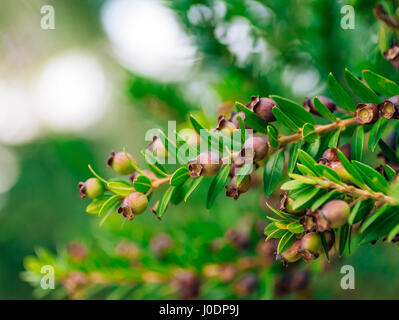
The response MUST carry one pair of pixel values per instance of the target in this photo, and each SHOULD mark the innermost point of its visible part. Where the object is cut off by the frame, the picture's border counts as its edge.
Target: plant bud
(133, 204)
(310, 246)
(225, 126)
(246, 285)
(77, 251)
(160, 245)
(234, 191)
(291, 254)
(256, 148)
(392, 55)
(334, 214)
(128, 250)
(120, 163)
(157, 148)
(387, 109)
(92, 188)
(263, 108)
(309, 105)
(340, 170)
(366, 113)
(187, 284)
(207, 164)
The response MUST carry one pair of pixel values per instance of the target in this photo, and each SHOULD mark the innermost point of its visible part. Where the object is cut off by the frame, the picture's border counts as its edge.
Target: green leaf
(298, 177)
(286, 242)
(109, 203)
(360, 89)
(393, 233)
(142, 183)
(360, 210)
(180, 176)
(272, 134)
(281, 214)
(323, 110)
(324, 245)
(95, 206)
(382, 222)
(97, 175)
(271, 227)
(252, 119)
(295, 227)
(376, 132)
(308, 133)
(217, 185)
(121, 188)
(391, 173)
(308, 161)
(215, 140)
(154, 164)
(306, 199)
(372, 177)
(276, 234)
(164, 201)
(292, 185)
(328, 173)
(285, 120)
(323, 199)
(294, 111)
(384, 38)
(135, 167)
(191, 187)
(293, 155)
(356, 178)
(339, 94)
(388, 152)
(334, 140)
(381, 84)
(273, 171)
(357, 144)
(343, 238)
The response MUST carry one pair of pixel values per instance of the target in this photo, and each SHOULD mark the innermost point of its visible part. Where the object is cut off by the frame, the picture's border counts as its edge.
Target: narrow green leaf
(153, 163)
(376, 132)
(273, 171)
(164, 201)
(324, 245)
(305, 200)
(108, 204)
(323, 110)
(281, 214)
(334, 140)
(285, 120)
(190, 188)
(372, 177)
(295, 227)
(276, 234)
(293, 155)
(381, 84)
(271, 227)
(292, 185)
(286, 242)
(179, 176)
(97, 175)
(272, 134)
(244, 171)
(303, 179)
(307, 161)
(343, 238)
(393, 233)
(360, 89)
(294, 111)
(308, 133)
(217, 185)
(121, 188)
(323, 199)
(357, 144)
(252, 119)
(391, 173)
(328, 173)
(388, 152)
(339, 94)
(360, 210)
(356, 178)
(95, 206)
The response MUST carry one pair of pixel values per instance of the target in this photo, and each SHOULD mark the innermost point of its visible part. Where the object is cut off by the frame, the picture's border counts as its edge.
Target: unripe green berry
(207, 164)
(121, 164)
(234, 191)
(92, 188)
(310, 246)
(291, 254)
(133, 204)
(334, 214)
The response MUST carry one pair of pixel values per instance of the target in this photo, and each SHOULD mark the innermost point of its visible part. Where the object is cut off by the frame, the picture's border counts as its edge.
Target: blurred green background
(111, 70)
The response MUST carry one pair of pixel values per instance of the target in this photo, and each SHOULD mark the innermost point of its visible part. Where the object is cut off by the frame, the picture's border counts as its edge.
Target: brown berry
(207, 164)
(333, 214)
(309, 105)
(366, 113)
